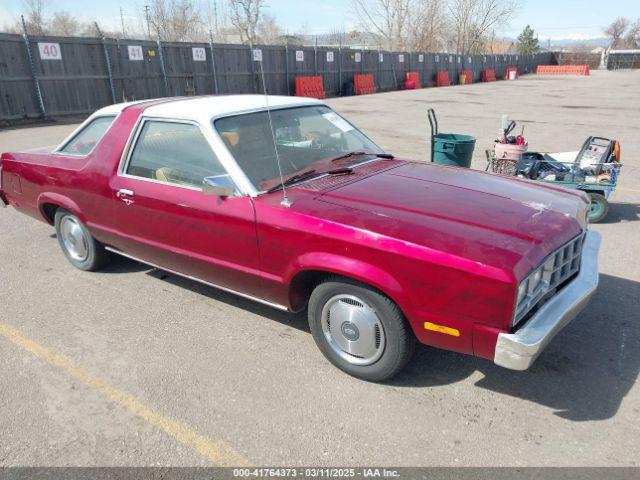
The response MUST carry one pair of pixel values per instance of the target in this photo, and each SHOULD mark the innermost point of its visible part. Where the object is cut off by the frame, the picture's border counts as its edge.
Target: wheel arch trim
(61, 201)
(333, 264)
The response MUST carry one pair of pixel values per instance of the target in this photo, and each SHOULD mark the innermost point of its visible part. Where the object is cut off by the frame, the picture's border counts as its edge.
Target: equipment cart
(594, 169)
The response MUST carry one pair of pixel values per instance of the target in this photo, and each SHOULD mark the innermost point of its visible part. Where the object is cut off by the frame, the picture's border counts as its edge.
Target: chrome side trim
(199, 280)
(519, 350)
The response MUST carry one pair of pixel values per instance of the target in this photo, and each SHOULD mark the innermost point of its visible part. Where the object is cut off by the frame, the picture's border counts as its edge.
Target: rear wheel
(80, 248)
(359, 330)
(599, 207)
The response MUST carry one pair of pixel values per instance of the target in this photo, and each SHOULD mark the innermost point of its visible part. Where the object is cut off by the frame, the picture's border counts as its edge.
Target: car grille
(557, 268)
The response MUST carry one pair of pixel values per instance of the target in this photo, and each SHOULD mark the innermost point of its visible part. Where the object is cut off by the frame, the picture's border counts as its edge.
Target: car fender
(62, 201)
(347, 267)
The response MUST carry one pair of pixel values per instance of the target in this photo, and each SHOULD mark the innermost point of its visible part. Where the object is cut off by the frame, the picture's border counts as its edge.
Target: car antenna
(257, 56)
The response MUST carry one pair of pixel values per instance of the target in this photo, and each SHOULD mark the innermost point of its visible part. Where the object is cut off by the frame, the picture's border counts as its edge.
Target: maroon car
(285, 202)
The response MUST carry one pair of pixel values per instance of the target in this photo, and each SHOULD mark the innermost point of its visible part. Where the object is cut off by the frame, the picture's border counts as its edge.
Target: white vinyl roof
(203, 109)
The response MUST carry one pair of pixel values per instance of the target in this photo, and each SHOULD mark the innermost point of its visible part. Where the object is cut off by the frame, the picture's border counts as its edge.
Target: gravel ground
(131, 366)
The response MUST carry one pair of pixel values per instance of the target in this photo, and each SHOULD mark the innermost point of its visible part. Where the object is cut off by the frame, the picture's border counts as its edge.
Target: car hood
(499, 221)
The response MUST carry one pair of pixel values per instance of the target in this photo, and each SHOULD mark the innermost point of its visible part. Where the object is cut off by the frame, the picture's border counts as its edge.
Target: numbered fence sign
(299, 56)
(381, 57)
(450, 59)
(257, 55)
(401, 58)
(199, 54)
(358, 57)
(49, 51)
(459, 59)
(421, 58)
(469, 60)
(135, 53)
(329, 56)
(437, 58)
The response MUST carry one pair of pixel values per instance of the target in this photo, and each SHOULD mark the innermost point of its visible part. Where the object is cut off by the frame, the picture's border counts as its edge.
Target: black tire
(399, 341)
(599, 207)
(96, 256)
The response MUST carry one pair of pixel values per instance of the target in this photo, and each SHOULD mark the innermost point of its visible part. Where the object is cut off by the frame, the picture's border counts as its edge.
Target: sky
(554, 19)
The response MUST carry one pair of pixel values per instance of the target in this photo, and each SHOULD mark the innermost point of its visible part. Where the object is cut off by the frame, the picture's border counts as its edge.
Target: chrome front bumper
(518, 350)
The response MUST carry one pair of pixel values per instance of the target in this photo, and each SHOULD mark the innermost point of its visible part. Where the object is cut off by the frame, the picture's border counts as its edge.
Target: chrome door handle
(123, 195)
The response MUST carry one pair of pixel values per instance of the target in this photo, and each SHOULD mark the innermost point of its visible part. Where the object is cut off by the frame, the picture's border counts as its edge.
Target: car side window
(85, 140)
(174, 153)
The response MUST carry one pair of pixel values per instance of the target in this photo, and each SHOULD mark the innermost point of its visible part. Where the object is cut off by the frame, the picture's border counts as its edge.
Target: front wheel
(599, 207)
(79, 246)
(359, 330)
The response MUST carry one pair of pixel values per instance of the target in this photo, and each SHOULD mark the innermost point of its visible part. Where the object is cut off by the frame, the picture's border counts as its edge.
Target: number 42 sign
(49, 51)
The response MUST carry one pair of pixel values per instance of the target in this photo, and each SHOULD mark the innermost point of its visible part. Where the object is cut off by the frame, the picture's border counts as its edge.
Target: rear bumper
(519, 350)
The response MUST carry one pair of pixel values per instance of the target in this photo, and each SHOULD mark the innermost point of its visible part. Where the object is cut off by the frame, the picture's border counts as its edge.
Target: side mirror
(220, 186)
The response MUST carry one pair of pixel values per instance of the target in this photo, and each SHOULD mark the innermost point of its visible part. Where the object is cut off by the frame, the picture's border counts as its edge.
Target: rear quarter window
(86, 139)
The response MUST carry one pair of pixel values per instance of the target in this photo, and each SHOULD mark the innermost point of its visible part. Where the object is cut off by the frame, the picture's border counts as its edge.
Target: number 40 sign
(49, 51)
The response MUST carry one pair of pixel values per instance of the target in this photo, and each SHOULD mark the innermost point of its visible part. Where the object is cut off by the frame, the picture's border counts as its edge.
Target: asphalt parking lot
(132, 366)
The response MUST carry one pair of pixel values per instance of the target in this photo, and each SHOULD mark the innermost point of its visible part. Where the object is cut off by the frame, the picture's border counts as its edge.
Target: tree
(527, 41)
(34, 16)
(388, 19)
(245, 16)
(64, 24)
(175, 20)
(473, 20)
(268, 30)
(427, 25)
(632, 36)
(616, 30)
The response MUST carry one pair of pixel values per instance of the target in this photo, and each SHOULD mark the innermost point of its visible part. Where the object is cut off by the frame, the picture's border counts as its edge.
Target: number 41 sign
(49, 51)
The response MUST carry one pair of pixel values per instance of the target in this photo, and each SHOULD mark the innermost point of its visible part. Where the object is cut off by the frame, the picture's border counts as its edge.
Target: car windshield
(306, 138)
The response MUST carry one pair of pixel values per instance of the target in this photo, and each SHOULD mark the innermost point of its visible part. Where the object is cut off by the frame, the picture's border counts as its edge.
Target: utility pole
(146, 14)
(124, 34)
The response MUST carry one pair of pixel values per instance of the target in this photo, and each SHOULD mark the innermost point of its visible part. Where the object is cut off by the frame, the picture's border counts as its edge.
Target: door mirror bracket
(220, 186)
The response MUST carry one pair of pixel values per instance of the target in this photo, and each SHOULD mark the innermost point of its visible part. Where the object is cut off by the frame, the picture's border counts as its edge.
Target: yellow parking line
(217, 451)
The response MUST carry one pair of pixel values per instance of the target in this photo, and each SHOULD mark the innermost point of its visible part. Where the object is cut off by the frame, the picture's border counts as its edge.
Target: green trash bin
(450, 148)
(453, 149)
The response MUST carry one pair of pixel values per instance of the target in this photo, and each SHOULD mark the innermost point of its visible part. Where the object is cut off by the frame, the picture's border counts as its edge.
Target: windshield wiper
(308, 174)
(291, 180)
(359, 153)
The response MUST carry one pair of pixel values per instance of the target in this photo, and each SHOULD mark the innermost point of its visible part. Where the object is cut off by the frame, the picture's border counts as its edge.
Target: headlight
(534, 280)
(522, 291)
(529, 289)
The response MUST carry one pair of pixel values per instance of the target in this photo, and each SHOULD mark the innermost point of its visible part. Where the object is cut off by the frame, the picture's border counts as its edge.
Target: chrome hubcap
(73, 239)
(353, 330)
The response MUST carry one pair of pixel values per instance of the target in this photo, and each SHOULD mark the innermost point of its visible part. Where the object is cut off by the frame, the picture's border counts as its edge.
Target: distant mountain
(570, 41)
(577, 40)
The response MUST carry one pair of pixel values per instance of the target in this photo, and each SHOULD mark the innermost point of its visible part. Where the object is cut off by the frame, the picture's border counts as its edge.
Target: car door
(164, 218)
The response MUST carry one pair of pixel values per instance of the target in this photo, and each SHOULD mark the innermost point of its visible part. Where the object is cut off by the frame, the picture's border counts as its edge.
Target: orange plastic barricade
(488, 75)
(310, 87)
(413, 79)
(442, 79)
(509, 70)
(563, 70)
(363, 83)
(468, 76)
